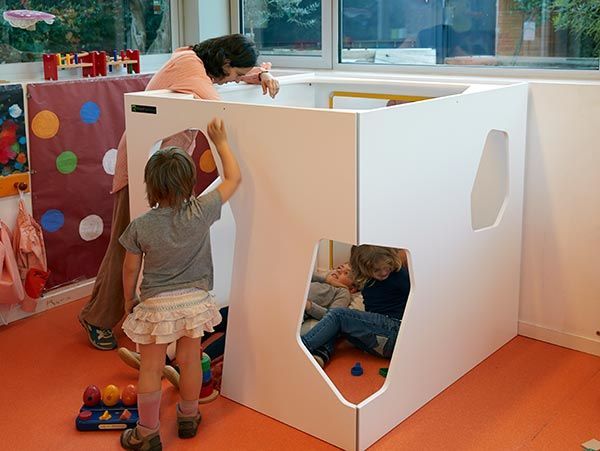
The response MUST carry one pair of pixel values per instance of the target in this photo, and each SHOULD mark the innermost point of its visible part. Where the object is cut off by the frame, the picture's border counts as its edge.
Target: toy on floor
(92, 64)
(207, 392)
(591, 445)
(108, 409)
(357, 370)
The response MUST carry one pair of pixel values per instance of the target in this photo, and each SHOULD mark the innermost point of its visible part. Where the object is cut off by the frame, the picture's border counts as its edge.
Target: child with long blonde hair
(381, 276)
(173, 242)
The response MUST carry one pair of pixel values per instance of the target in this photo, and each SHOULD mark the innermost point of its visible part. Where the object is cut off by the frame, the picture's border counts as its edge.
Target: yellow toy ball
(110, 395)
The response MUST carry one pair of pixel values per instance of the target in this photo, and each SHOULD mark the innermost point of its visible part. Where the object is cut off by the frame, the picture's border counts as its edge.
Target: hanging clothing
(11, 287)
(30, 253)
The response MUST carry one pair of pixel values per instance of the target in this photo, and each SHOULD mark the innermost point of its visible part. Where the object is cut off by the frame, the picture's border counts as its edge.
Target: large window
(536, 34)
(289, 33)
(284, 27)
(85, 25)
(562, 34)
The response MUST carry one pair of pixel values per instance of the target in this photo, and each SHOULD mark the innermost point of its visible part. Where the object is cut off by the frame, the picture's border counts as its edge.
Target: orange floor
(527, 396)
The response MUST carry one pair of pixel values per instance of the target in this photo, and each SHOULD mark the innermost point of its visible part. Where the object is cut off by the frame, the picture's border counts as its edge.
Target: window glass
(84, 25)
(283, 27)
(563, 34)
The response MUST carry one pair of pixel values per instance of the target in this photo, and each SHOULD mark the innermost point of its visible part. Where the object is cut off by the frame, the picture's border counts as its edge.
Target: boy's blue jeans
(371, 332)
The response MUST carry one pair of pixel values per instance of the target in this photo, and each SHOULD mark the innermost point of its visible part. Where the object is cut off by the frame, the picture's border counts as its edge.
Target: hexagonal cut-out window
(490, 190)
(352, 333)
(206, 169)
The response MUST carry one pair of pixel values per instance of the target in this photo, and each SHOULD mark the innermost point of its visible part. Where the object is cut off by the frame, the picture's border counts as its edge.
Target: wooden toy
(110, 413)
(92, 64)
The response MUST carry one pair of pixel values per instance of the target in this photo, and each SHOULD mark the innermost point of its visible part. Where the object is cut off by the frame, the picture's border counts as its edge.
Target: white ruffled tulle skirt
(170, 316)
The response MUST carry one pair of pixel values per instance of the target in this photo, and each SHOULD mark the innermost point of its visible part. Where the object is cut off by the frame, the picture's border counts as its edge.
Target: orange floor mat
(529, 395)
(355, 388)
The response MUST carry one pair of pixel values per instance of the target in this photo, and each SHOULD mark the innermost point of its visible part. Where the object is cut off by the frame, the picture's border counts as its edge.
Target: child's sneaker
(319, 360)
(132, 439)
(187, 426)
(321, 356)
(102, 339)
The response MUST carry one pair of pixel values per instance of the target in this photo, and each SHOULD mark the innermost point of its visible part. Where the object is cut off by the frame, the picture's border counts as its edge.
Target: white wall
(560, 278)
(204, 19)
(9, 206)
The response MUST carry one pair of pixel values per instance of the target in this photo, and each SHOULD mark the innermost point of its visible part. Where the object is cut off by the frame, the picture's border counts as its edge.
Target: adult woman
(193, 70)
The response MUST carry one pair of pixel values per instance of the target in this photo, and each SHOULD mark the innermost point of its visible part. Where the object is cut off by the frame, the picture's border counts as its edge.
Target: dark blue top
(388, 296)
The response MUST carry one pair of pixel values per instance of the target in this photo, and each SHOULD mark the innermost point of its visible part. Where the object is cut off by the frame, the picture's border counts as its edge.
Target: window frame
(34, 72)
(333, 26)
(295, 61)
(449, 70)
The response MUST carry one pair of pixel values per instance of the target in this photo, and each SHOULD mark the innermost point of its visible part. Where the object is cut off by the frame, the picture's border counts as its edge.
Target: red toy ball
(129, 395)
(91, 395)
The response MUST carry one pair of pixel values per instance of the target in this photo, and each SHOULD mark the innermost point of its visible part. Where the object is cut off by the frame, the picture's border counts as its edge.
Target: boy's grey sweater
(324, 296)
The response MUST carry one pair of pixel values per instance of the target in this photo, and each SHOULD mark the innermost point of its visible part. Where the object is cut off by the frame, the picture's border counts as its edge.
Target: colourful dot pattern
(73, 125)
(53, 220)
(75, 129)
(66, 162)
(45, 124)
(89, 112)
(207, 162)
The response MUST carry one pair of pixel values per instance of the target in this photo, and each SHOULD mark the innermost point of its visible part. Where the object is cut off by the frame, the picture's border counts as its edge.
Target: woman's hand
(269, 84)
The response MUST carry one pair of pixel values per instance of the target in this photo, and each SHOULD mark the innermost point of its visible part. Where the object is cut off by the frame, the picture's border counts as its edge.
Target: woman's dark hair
(235, 49)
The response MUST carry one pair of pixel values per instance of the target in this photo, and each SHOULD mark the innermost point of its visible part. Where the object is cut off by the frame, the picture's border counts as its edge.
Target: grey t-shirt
(175, 245)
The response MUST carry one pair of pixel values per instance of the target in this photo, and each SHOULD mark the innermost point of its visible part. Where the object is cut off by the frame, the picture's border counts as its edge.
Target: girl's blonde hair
(365, 257)
(170, 177)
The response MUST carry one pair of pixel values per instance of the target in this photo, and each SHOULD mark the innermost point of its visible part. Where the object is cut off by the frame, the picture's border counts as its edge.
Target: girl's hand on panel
(216, 132)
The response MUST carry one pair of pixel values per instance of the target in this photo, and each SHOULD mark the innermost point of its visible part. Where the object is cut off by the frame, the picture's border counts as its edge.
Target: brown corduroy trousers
(106, 306)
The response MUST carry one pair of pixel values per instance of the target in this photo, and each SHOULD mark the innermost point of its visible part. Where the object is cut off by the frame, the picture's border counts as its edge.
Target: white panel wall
(560, 293)
(559, 289)
(324, 87)
(417, 166)
(280, 216)
(292, 95)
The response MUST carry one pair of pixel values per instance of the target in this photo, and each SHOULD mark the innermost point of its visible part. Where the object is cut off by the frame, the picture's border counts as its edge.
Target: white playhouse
(441, 177)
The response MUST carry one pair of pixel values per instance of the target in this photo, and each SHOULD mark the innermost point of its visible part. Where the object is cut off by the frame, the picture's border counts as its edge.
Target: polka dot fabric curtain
(74, 130)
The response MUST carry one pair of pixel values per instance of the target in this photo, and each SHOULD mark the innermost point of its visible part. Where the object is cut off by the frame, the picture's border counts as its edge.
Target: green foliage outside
(258, 13)
(83, 26)
(580, 18)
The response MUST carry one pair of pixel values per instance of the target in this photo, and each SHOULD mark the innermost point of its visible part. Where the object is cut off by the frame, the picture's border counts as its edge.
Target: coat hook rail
(21, 186)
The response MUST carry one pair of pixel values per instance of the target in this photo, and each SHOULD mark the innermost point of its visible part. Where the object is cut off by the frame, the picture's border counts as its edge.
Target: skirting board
(53, 298)
(556, 337)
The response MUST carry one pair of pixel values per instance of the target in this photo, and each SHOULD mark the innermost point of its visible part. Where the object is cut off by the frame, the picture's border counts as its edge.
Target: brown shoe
(187, 426)
(133, 440)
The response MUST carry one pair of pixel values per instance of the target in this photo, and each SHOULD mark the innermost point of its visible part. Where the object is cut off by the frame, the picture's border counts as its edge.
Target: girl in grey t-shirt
(172, 240)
